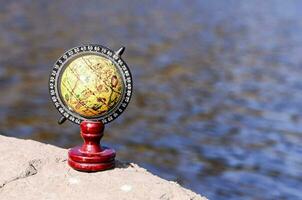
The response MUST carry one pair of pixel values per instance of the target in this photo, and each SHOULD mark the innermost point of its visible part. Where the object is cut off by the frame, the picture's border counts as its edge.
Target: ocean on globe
(91, 85)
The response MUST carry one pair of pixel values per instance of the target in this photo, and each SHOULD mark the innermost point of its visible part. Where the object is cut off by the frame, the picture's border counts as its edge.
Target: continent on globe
(91, 85)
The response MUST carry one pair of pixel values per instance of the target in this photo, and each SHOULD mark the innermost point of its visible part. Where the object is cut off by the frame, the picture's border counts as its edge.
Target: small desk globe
(91, 85)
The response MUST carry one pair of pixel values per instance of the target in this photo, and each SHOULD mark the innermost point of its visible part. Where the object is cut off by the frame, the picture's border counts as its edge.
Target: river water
(217, 87)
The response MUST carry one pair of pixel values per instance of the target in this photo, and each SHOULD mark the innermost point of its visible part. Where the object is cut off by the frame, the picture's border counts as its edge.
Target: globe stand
(91, 157)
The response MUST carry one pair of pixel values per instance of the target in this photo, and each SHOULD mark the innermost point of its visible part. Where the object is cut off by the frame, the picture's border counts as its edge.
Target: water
(217, 101)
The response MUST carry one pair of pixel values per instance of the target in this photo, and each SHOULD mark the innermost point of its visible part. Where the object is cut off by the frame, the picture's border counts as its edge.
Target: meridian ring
(83, 98)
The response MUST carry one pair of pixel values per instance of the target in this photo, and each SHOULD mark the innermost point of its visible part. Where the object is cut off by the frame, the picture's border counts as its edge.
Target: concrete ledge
(31, 170)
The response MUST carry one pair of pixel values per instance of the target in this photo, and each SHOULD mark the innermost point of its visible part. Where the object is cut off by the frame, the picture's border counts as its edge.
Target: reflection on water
(217, 102)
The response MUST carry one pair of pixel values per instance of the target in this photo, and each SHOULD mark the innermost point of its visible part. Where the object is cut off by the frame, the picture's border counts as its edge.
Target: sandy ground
(31, 170)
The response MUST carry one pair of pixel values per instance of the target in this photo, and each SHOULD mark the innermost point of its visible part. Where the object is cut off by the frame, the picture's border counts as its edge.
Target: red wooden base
(91, 157)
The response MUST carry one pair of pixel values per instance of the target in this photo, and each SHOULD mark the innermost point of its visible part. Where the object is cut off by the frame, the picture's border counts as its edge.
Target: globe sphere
(91, 86)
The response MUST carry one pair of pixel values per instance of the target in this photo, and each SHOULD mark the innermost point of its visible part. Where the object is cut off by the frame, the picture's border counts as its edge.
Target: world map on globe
(91, 85)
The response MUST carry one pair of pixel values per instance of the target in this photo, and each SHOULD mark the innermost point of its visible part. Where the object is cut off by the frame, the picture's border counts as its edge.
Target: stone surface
(31, 170)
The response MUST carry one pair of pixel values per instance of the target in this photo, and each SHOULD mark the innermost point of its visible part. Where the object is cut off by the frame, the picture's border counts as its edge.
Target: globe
(91, 85)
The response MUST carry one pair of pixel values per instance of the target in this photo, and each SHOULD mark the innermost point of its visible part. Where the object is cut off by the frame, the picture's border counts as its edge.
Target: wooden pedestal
(91, 157)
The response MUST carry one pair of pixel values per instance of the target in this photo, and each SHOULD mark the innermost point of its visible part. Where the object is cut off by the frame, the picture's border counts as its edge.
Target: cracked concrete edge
(30, 170)
(22, 159)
